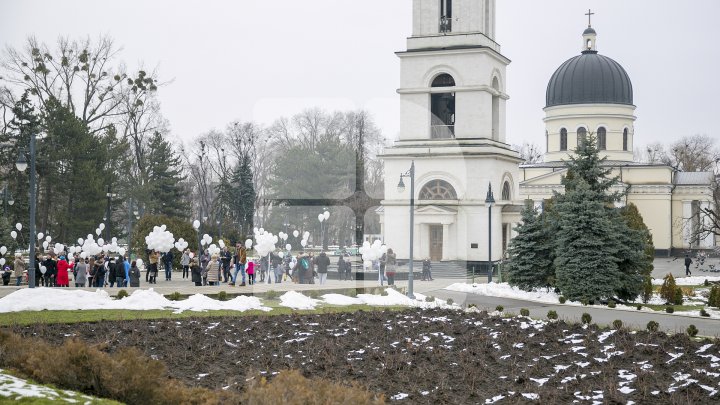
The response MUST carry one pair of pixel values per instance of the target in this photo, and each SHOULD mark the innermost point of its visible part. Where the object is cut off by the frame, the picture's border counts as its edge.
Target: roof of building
(694, 178)
(610, 163)
(589, 78)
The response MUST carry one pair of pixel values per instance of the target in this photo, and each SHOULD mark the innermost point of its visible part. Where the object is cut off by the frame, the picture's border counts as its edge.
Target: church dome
(589, 78)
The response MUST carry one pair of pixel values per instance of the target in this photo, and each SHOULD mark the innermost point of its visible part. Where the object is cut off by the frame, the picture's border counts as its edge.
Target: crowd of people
(226, 267)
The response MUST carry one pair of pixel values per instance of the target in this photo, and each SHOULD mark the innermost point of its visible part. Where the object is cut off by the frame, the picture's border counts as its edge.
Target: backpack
(304, 263)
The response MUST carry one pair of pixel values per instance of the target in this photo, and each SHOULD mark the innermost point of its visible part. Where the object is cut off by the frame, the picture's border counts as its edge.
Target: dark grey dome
(589, 79)
(589, 30)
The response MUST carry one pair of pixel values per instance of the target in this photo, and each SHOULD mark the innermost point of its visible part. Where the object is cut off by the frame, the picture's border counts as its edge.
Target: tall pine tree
(164, 188)
(531, 255)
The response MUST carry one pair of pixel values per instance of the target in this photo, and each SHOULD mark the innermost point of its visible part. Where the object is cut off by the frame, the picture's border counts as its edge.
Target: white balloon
(121, 251)
(80, 241)
(196, 224)
(306, 235)
(202, 242)
(2, 261)
(296, 234)
(261, 230)
(288, 247)
(83, 255)
(13, 234)
(18, 226)
(163, 227)
(98, 231)
(3, 250)
(48, 238)
(139, 262)
(191, 255)
(326, 214)
(43, 269)
(45, 244)
(321, 217)
(90, 237)
(303, 243)
(40, 235)
(248, 244)
(101, 241)
(101, 227)
(281, 254)
(114, 240)
(221, 243)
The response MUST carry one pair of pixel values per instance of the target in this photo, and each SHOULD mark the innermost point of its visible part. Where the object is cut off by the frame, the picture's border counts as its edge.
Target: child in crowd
(251, 272)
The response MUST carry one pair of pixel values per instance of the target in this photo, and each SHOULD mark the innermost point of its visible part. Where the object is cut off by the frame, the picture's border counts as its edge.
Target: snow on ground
(295, 300)
(504, 290)
(17, 388)
(692, 280)
(339, 299)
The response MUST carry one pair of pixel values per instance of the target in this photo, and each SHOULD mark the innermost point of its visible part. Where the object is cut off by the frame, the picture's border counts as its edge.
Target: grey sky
(260, 59)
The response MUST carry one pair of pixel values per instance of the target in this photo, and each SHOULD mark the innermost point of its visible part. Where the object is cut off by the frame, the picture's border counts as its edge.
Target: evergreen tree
(165, 195)
(531, 262)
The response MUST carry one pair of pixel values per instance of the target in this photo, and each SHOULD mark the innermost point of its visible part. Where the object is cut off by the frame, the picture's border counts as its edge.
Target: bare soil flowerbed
(424, 356)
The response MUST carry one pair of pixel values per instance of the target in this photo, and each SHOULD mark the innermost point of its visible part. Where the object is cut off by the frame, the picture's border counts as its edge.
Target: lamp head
(21, 164)
(401, 186)
(490, 199)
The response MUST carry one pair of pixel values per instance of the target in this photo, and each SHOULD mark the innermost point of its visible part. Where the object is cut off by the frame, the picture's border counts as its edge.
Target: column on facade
(707, 241)
(446, 242)
(686, 223)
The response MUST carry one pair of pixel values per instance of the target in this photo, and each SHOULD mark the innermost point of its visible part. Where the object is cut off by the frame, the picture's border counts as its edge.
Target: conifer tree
(164, 187)
(585, 251)
(531, 262)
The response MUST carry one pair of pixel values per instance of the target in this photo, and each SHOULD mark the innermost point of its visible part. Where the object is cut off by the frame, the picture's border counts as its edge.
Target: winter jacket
(196, 273)
(185, 259)
(322, 262)
(19, 267)
(390, 263)
(212, 271)
(62, 277)
(50, 267)
(81, 276)
(251, 267)
(134, 277)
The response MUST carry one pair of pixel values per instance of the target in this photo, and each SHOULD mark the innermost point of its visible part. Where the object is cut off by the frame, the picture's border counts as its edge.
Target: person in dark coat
(196, 272)
(134, 275)
(322, 262)
(426, 270)
(688, 262)
(168, 261)
(341, 268)
(50, 271)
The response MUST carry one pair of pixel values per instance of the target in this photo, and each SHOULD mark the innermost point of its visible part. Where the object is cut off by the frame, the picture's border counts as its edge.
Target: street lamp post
(21, 165)
(490, 201)
(401, 188)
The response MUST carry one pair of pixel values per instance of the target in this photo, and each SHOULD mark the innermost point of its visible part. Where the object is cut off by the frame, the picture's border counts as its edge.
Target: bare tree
(529, 152)
(697, 153)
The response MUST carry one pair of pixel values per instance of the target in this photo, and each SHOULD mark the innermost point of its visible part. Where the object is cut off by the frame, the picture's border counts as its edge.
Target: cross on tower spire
(590, 14)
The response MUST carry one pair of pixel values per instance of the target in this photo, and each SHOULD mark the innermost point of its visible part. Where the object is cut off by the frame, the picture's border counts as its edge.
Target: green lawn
(45, 394)
(50, 317)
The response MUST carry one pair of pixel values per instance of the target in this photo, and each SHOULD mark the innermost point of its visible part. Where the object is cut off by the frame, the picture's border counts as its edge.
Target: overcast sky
(261, 59)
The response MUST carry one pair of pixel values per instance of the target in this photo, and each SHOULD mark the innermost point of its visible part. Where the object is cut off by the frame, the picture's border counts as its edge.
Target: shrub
(706, 283)
(122, 294)
(639, 307)
(562, 299)
(653, 326)
(429, 299)
(499, 308)
(524, 312)
(176, 296)
(669, 309)
(714, 298)
(450, 301)
(647, 291)
(678, 297)
(692, 331)
(552, 315)
(611, 304)
(222, 296)
(703, 312)
(313, 294)
(668, 288)
(384, 293)
(351, 292)
(586, 318)
(292, 385)
(472, 306)
(617, 324)
(272, 295)
(122, 375)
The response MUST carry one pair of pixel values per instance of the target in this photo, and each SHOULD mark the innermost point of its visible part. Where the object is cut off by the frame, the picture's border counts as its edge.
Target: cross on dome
(589, 14)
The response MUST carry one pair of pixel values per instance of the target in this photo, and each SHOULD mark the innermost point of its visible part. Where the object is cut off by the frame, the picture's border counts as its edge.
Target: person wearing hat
(6, 275)
(62, 279)
(19, 268)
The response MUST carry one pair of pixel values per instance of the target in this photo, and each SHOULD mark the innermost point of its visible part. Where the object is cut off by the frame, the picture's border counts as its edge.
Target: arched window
(443, 80)
(602, 138)
(581, 135)
(442, 109)
(563, 139)
(625, 139)
(438, 190)
(506, 191)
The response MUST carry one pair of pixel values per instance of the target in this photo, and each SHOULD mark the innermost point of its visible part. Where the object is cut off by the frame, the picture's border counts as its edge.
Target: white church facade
(452, 127)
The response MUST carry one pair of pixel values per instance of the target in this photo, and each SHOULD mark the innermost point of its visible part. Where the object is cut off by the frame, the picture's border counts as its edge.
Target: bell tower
(452, 73)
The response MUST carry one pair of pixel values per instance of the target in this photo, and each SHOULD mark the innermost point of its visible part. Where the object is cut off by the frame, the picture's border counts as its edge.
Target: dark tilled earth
(425, 357)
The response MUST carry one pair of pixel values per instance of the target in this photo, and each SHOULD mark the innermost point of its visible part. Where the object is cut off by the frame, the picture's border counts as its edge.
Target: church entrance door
(436, 242)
